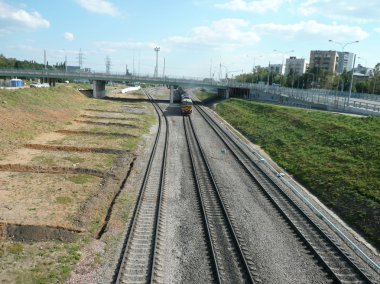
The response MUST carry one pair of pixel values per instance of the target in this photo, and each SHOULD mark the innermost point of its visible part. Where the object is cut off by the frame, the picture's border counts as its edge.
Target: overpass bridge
(100, 79)
(330, 100)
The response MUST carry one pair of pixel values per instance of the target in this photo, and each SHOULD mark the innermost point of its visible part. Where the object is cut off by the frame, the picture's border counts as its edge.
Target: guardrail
(120, 77)
(331, 99)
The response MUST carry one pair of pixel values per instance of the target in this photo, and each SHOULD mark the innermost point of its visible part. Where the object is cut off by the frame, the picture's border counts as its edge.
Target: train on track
(186, 105)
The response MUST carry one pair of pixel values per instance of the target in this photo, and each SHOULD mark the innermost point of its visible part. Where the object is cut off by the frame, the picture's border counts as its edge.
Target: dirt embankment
(58, 177)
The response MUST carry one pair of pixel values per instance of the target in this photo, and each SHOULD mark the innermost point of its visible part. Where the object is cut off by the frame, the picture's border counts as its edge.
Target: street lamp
(343, 45)
(254, 64)
(283, 56)
(341, 58)
(312, 82)
(341, 62)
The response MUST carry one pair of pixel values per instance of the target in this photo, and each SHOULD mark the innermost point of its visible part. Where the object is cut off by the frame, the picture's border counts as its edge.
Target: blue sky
(194, 36)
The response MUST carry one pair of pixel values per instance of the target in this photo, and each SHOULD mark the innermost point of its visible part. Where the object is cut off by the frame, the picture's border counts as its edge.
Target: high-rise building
(324, 60)
(298, 65)
(346, 61)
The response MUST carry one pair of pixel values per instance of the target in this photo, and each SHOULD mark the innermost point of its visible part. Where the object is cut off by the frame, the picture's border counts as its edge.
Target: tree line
(313, 78)
(28, 64)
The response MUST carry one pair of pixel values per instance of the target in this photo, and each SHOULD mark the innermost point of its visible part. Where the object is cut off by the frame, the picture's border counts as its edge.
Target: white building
(346, 61)
(277, 68)
(364, 70)
(298, 65)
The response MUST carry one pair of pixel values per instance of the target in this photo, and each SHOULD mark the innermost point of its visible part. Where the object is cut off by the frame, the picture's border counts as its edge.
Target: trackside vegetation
(337, 157)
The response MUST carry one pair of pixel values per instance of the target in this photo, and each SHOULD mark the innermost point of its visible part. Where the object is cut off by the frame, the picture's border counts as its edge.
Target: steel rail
(335, 275)
(323, 217)
(203, 209)
(242, 262)
(162, 184)
(132, 227)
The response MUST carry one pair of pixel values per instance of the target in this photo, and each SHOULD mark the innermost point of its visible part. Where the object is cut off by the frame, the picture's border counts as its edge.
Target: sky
(197, 38)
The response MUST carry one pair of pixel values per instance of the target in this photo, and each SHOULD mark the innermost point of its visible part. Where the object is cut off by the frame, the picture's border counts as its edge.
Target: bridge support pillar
(52, 82)
(99, 89)
(227, 94)
(171, 94)
(224, 93)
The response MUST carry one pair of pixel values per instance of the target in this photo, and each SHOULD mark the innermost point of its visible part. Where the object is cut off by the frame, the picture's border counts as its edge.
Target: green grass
(202, 95)
(336, 157)
(53, 268)
(34, 99)
(16, 248)
(36, 111)
(74, 159)
(64, 200)
(44, 160)
(80, 179)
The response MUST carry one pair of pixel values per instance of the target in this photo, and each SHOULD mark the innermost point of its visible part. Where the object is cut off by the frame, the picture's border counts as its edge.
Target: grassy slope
(337, 157)
(25, 113)
(202, 95)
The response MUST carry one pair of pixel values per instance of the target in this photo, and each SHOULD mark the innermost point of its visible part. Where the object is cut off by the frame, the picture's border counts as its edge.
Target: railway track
(336, 260)
(139, 262)
(228, 260)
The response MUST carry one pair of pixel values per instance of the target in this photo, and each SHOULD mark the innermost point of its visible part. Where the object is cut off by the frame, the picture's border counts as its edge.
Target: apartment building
(298, 65)
(277, 68)
(324, 60)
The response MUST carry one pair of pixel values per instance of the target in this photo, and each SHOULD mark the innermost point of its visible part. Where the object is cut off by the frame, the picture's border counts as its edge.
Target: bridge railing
(33, 73)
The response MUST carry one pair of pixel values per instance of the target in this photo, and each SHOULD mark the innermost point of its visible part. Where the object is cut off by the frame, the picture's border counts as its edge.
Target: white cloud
(348, 10)
(99, 6)
(258, 6)
(222, 34)
(311, 30)
(13, 19)
(68, 36)
(377, 30)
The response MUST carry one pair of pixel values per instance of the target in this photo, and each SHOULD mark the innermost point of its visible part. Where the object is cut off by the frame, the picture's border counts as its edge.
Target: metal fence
(337, 100)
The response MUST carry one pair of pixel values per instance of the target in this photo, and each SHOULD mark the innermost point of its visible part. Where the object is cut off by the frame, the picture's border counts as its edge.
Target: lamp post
(312, 82)
(283, 57)
(352, 79)
(341, 58)
(254, 64)
(156, 50)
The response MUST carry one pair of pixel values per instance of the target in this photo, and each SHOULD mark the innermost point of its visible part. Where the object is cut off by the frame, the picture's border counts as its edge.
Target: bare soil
(59, 187)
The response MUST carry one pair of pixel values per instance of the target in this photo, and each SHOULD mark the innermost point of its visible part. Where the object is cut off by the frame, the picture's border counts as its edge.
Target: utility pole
(80, 58)
(133, 64)
(352, 79)
(210, 69)
(45, 59)
(282, 64)
(156, 49)
(138, 67)
(163, 70)
(108, 65)
(268, 76)
(341, 57)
